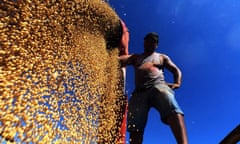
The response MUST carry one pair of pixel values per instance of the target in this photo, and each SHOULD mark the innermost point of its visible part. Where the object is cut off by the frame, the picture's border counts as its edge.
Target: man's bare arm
(126, 59)
(177, 74)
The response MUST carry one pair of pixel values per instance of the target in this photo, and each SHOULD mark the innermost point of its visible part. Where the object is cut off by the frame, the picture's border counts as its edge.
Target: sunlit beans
(59, 83)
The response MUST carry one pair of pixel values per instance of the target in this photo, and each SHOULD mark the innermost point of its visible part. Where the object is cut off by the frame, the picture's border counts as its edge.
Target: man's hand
(173, 85)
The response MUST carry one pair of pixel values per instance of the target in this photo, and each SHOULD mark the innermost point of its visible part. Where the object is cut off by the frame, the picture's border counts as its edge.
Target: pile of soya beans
(59, 72)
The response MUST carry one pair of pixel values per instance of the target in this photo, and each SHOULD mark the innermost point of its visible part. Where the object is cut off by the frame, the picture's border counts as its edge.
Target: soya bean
(58, 81)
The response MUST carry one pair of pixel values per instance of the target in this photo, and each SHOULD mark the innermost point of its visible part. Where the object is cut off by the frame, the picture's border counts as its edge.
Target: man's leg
(176, 122)
(138, 109)
(136, 137)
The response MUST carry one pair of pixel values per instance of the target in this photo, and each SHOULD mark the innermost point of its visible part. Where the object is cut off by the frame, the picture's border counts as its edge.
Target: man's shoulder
(160, 54)
(163, 57)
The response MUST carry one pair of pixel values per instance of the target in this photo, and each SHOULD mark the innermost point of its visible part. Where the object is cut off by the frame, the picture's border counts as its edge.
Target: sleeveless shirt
(146, 79)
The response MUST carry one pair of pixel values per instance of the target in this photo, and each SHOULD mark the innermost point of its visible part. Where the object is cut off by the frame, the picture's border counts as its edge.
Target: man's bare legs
(176, 122)
(177, 125)
(136, 137)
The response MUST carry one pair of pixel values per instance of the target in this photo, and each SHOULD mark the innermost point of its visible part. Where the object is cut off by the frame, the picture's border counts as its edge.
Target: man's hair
(152, 35)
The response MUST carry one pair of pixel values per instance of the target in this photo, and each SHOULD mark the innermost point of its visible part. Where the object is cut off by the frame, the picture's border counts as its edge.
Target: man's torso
(148, 70)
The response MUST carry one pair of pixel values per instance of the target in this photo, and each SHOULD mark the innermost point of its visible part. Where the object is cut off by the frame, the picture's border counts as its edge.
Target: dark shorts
(161, 97)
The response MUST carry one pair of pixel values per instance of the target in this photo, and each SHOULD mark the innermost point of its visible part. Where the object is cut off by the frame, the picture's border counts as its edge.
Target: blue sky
(203, 38)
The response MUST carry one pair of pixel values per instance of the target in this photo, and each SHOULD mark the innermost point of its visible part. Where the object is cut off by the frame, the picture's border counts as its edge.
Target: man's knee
(173, 118)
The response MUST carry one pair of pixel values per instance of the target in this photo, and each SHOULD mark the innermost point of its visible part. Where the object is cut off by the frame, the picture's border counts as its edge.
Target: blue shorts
(161, 97)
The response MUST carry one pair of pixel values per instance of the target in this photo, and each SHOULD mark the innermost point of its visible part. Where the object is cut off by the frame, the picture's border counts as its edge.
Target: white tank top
(146, 80)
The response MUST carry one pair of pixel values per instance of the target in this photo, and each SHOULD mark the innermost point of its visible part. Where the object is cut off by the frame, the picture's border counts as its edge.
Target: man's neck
(148, 53)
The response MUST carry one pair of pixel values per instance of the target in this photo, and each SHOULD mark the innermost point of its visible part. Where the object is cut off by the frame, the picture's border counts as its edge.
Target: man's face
(150, 45)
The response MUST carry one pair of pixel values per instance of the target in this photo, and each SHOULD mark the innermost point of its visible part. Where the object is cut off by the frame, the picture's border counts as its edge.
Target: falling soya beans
(59, 79)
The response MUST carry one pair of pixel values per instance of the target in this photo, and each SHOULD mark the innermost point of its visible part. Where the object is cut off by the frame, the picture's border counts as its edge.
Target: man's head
(151, 42)
(152, 35)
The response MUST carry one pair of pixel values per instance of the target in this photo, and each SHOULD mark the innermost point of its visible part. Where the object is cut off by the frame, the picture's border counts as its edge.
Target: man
(152, 91)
